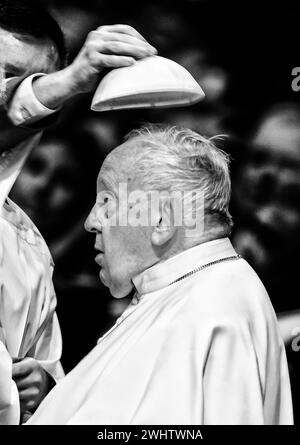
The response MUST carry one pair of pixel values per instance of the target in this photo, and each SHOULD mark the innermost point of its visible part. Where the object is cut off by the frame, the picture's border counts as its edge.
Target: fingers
(32, 382)
(25, 382)
(119, 37)
(111, 46)
(120, 44)
(111, 61)
(123, 29)
(29, 398)
(22, 368)
(124, 49)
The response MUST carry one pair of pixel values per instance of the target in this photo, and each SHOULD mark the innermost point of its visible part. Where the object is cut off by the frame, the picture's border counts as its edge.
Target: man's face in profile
(124, 249)
(20, 55)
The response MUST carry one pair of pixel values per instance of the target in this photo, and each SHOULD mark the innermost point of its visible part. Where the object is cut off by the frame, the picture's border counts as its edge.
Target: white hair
(179, 159)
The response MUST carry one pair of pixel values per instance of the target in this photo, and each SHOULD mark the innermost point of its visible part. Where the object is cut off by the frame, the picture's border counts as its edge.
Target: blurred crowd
(243, 60)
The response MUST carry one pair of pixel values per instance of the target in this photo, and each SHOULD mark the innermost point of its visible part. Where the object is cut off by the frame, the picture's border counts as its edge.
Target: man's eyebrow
(13, 69)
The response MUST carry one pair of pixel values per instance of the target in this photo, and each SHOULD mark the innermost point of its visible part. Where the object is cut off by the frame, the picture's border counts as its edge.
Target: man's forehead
(106, 178)
(24, 55)
(119, 164)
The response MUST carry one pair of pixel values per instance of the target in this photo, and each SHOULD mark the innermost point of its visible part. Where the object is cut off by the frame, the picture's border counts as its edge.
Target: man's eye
(8, 75)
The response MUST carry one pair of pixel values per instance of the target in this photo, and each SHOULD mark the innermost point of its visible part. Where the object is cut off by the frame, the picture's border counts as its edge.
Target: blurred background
(243, 57)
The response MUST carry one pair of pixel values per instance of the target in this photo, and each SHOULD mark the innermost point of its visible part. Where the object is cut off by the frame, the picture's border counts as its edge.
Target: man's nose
(92, 223)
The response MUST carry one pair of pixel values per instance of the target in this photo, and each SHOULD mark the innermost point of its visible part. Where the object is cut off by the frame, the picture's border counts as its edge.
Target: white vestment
(28, 322)
(204, 350)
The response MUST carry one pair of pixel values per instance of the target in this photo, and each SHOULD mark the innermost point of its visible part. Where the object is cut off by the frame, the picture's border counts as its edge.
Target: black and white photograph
(149, 217)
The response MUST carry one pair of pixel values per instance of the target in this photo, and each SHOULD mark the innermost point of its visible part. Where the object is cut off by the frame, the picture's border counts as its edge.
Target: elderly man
(199, 344)
(34, 84)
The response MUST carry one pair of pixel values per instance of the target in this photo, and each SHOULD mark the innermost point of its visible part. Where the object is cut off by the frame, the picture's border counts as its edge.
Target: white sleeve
(24, 107)
(48, 349)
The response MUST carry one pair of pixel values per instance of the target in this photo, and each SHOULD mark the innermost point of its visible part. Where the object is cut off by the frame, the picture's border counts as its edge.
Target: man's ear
(164, 229)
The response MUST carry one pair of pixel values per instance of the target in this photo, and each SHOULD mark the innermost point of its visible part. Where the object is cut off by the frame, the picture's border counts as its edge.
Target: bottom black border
(146, 433)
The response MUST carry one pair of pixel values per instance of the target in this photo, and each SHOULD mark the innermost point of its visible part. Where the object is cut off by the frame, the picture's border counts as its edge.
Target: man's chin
(116, 286)
(103, 278)
(118, 291)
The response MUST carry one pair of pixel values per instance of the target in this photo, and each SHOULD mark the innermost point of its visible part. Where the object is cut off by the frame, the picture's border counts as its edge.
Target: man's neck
(189, 242)
(179, 245)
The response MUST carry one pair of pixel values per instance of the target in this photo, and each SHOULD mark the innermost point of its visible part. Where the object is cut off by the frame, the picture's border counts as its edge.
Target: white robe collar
(162, 274)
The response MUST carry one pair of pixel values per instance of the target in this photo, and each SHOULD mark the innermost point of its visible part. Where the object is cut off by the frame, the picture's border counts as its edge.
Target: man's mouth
(99, 257)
